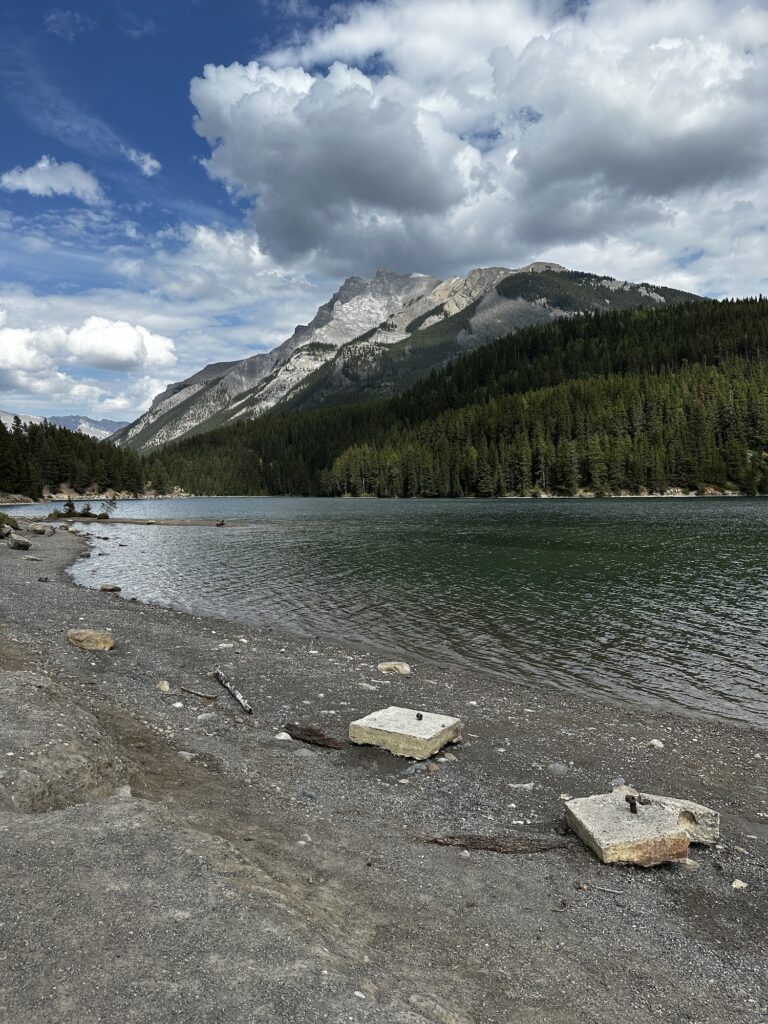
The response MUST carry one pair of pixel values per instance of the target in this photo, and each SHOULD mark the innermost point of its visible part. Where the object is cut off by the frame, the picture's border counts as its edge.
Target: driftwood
(196, 693)
(219, 675)
(498, 844)
(310, 734)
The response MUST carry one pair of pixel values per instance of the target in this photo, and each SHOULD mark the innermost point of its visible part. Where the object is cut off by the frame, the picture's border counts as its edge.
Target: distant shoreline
(4, 502)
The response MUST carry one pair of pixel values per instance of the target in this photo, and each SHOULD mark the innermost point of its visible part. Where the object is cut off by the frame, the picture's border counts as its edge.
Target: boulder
(659, 832)
(406, 732)
(91, 639)
(401, 667)
(5, 530)
(38, 529)
(15, 540)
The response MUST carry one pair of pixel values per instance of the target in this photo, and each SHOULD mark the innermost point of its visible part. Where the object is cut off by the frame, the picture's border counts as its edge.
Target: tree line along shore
(630, 402)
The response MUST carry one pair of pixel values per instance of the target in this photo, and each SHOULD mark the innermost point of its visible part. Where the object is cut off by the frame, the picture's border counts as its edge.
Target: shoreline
(286, 833)
(501, 497)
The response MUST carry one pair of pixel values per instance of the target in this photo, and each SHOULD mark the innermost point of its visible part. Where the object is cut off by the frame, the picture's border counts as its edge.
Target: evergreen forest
(35, 457)
(630, 401)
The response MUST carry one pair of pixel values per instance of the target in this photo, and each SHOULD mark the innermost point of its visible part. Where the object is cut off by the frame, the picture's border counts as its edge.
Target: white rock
(283, 736)
(401, 667)
(738, 884)
(656, 743)
(164, 686)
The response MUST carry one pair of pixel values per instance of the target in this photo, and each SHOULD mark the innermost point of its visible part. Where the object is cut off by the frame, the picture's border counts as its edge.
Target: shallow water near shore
(661, 602)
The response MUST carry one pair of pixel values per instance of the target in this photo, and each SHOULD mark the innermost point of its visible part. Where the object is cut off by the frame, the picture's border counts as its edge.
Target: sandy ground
(165, 858)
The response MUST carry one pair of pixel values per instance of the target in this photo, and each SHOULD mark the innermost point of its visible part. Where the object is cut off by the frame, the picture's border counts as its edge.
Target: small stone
(360, 995)
(283, 736)
(206, 716)
(186, 755)
(448, 756)
(400, 667)
(466, 853)
(557, 768)
(657, 744)
(618, 781)
(164, 686)
(738, 884)
(43, 579)
(367, 686)
(91, 639)
(84, 554)
(178, 704)
(110, 588)
(688, 865)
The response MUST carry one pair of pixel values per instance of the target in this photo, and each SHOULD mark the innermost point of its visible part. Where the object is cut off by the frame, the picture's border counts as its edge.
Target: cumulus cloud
(98, 342)
(49, 178)
(492, 128)
(100, 365)
(68, 24)
(196, 262)
(147, 164)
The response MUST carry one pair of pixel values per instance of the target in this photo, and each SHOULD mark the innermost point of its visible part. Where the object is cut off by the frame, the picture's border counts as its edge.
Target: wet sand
(179, 863)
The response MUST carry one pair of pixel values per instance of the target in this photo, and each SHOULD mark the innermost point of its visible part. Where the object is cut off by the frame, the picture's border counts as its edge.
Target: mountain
(376, 337)
(100, 429)
(629, 401)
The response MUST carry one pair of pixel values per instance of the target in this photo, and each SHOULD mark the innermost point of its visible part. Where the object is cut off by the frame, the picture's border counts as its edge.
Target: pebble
(282, 736)
(185, 755)
(164, 686)
(557, 768)
(656, 743)
(738, 884)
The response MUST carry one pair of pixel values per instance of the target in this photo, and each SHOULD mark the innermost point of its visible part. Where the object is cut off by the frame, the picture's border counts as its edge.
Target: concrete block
(402, 732)
(660, 831)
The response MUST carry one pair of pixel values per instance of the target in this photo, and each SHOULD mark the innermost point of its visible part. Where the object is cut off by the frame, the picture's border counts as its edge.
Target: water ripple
(661, 602)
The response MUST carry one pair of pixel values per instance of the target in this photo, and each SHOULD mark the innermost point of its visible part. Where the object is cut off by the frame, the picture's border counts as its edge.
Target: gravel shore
(165, 858)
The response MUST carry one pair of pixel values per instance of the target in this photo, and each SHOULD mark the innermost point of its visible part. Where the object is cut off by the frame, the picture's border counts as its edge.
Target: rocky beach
(167, 857)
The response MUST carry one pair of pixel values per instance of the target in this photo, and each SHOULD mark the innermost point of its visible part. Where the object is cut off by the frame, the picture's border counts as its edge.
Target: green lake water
(646, 600)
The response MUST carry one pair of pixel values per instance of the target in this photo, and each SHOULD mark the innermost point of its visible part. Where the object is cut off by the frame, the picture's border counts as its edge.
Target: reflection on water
(657, 600)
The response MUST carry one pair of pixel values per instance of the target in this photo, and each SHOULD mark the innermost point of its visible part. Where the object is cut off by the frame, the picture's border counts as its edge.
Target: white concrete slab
(406, 732)
(660, 831)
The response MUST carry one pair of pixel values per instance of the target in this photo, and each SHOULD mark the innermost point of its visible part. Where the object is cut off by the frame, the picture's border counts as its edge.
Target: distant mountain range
(100, 429)
(377, 337)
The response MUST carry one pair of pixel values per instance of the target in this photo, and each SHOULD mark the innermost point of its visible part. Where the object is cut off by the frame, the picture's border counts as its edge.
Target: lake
(661, 601)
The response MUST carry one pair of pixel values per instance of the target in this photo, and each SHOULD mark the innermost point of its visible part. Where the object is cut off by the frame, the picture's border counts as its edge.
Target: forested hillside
(40, 455)
(638, 400)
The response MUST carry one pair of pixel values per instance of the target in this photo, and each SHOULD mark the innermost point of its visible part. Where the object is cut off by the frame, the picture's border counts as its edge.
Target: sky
(183, 181)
